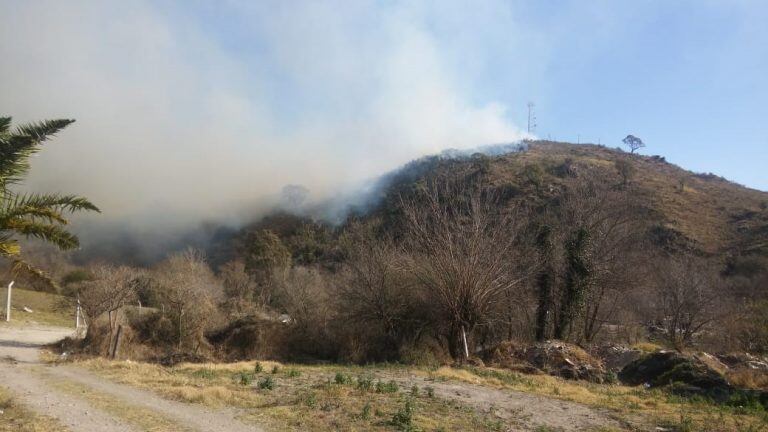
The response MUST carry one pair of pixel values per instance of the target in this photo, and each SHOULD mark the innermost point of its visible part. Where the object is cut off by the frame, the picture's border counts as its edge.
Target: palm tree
(31, 215)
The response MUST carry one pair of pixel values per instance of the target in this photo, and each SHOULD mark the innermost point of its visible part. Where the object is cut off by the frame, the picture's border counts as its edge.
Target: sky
(189, 110)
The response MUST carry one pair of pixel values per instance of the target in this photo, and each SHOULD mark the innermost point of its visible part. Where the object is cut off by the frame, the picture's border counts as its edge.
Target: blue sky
(689, 77)
(200, 105)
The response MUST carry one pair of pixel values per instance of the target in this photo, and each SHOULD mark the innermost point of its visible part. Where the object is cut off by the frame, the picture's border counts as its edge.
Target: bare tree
(462, 246)
(545, 281)
(192, 292)
(376, 290)
(241, 291)
(602, 230)
(634, 143)
(685, 299)
(108, 290)
(304, 295)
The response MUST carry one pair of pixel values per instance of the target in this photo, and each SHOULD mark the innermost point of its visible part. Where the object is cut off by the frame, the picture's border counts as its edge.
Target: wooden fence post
(116, 346)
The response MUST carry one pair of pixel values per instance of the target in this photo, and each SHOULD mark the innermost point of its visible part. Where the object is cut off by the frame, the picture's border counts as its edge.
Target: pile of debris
(744, 361)
(616, 357)
(551, 357)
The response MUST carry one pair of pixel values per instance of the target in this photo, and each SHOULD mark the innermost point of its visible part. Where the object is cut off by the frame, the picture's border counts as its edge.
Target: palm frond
(32, 215)
(53, 234)
(23, 142)
(19, 266)
(5, 124)
(15, 151)
(9, 248)
(46, 214)
(61, 203)
(42, 130)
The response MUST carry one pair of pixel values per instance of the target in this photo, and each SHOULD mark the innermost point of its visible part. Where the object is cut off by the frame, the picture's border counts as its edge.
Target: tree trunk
(544, 283)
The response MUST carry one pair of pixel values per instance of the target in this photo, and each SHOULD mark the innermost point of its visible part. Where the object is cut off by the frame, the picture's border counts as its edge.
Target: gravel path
(74, 413)
(19, 354)
(195, 417)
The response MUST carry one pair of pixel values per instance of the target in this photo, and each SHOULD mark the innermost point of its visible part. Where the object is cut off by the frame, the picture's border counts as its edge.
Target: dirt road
(39, 387)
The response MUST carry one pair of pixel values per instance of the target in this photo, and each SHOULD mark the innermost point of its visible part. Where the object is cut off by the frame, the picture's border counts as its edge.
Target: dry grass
(303, 398)
(16, 418)
(647, 347)
(313, 400)
(45, 308)
(630, 403)
(749, 378)
(703, 210)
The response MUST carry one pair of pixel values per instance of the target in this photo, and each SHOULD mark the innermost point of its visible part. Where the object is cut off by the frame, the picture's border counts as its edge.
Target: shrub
(364, 383)
(275, 369)
(153, 328)
(366, 414)
(430, 391)
(267, 383)
(415, 390)
(76, 276)
(258, 368)
(390, 387)
(427, 352)
(243, 378)
(342, 379)
(310, 399)
(403, 418)
(292, 373)
(191, 293)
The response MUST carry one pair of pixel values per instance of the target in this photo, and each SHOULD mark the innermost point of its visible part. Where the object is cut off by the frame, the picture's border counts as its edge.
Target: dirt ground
(530, 411)
(30, 382)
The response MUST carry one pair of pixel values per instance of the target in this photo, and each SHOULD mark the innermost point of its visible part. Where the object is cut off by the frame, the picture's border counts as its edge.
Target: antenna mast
(531, 118)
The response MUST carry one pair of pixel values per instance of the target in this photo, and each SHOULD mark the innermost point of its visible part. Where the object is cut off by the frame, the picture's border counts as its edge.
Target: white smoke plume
(180, 119)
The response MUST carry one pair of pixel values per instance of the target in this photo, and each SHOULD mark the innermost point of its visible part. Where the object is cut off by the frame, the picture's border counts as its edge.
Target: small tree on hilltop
(633, 142)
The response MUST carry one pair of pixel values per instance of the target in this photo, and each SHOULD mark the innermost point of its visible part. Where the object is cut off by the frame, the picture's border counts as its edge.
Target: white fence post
(8, 303)
(77, 313)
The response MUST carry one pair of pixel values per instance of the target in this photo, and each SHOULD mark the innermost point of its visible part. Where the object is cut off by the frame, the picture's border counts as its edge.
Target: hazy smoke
(184, 116)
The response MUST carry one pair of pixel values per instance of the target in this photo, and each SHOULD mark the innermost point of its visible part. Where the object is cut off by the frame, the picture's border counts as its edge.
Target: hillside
(711, 213)
(698, 214)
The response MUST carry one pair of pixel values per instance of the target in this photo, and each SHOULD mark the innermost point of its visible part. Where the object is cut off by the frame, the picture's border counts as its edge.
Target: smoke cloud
(193, 112)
